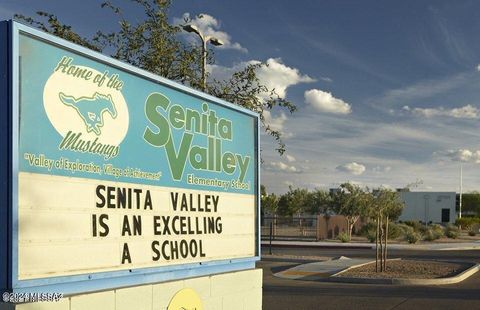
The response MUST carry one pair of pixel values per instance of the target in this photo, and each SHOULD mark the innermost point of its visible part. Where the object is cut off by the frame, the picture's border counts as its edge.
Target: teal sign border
(9, 140)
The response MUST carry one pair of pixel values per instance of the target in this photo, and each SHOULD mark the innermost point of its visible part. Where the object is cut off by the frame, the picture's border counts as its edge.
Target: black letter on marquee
(102, 218)
(174, 197)
(126, 254)
(100, 195)
(137, 225)
(148, 201)
(126, 226)
(156, 252)
(156, 225)
(166, 229)
(104, 225)
(94, 225)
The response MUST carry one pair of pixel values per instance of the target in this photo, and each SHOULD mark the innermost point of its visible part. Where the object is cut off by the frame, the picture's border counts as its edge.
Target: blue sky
(388, 91)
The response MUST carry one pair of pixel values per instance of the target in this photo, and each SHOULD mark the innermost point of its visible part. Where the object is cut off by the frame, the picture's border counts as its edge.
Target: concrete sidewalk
(321, 270)
(433, 246)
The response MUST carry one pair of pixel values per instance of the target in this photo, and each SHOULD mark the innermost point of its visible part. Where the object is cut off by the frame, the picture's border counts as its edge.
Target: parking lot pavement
(288, 294)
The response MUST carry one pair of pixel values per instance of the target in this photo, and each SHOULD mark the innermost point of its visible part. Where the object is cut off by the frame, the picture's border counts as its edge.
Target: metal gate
(289, 228)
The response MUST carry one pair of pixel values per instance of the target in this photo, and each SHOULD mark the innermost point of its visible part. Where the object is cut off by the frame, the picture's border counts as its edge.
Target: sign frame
(9, 170)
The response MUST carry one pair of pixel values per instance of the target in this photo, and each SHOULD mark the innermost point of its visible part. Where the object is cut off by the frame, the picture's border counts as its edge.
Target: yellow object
(186, 299)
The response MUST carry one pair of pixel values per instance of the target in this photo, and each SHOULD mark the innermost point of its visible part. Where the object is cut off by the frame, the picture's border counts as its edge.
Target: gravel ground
(408, 269)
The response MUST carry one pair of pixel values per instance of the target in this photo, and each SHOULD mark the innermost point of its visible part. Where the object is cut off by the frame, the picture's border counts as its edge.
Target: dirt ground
(408, 269)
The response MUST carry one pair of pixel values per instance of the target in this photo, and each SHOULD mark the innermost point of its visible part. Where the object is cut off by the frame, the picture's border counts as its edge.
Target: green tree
(293, 202)
(385, 206)
(269, 202)
(153, 44)
(471, 203)
(318, 202)
(352, 202)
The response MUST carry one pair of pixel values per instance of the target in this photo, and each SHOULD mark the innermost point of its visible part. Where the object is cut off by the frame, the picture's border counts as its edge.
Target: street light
(205, 39)
(461, 191)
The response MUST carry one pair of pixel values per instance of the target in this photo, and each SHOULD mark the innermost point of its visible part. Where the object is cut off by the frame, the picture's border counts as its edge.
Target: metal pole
(426, 209)
(271, 233)
(204, 63)
(461, 191)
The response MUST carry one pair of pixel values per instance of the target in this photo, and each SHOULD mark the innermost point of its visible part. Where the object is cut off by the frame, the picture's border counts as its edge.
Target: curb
(314, 246)
(399, 281)
(419, 247)
(460, 249)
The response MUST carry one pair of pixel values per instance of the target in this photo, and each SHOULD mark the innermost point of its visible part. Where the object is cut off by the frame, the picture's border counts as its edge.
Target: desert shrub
(429, 235)
(417, 226)
(394, 231)
(369, 231)
(365, 229)
(371, 236)
(438, 230)
(452, 231)
(343, 236)
(412, 237)
(472, 233)
(405, 228)
(467, 223)
(476, 228)
(432, 232)
(422, 230)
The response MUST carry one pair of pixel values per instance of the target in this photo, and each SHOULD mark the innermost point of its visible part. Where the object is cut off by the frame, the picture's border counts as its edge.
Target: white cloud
(406, 144)
(279, 166)
(464, 155)
(326, 79)
(353, 168)
(275, 74)
(210, 26)
(278, 76)
(467, 112)
(290, 158)
(325, 102)
(478, 67)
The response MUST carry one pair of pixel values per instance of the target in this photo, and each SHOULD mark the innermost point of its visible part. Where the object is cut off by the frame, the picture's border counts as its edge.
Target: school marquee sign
(114, 176)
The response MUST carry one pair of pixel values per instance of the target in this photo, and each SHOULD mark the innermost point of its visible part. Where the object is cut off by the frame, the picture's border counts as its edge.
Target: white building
(435, 207)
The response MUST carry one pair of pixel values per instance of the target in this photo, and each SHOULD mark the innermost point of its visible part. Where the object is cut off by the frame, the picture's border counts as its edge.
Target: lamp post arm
(205, 40)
